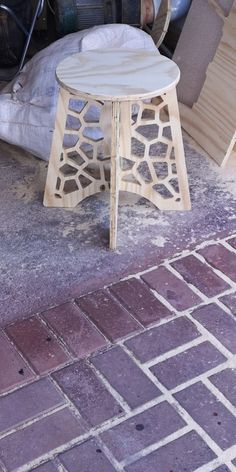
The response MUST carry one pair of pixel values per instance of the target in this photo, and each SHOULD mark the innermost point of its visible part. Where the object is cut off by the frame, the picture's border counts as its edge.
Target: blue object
(178, 8)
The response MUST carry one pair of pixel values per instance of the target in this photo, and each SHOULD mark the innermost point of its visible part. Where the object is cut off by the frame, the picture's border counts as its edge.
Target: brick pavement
(137, 377)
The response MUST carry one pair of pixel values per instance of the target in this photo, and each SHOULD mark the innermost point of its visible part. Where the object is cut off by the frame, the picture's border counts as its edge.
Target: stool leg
(115, 166)
(78, 166)
(125, 129)
(51, 197)
(154, 162)
(179, 148)
(105, 124)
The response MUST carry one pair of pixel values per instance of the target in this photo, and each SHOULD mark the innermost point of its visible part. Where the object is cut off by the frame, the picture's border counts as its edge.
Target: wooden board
(212, 119)
(161, 21)
(197, 46)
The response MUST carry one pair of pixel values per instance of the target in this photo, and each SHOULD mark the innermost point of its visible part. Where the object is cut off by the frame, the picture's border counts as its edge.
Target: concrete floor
(49, 256)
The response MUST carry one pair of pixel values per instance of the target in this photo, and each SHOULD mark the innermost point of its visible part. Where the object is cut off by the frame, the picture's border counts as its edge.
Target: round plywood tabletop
(117, 74)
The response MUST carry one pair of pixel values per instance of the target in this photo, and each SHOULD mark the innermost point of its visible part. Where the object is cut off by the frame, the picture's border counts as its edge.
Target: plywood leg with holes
(52, 196)
(178, 150)
(78, 166)
(153, 163)
(115, 171)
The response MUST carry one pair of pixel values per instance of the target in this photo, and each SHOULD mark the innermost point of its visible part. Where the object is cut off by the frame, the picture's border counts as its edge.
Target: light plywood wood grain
(117, 75)
(197, 46)
(145, 148)
(155, 167)
(212, 119)
(115, 171)
(81, 169)
(161, 23)
(52, 195)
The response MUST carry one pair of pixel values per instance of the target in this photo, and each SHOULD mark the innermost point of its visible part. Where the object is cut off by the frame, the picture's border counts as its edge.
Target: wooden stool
(133, 142)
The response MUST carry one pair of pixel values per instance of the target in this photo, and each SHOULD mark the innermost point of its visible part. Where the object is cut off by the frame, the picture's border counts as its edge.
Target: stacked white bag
(28, 103)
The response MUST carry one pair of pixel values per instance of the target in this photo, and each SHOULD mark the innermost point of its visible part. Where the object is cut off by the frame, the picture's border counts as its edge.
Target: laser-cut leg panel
(152, 162)
(78, 166)
(155, 167)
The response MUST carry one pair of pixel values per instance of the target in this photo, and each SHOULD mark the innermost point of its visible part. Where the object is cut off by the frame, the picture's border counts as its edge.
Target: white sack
(28, 103)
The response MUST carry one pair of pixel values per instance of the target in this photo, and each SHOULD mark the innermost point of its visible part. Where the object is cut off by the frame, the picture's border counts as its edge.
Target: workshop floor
(137, 377)
(120, 361)
(49, 256)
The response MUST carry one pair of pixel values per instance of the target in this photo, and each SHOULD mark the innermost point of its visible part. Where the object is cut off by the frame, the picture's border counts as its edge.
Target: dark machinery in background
(18, 18)
(74, 15)
(17, 21)
(12, 37)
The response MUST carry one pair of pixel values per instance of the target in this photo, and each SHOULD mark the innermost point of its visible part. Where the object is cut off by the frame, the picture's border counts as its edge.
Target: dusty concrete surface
(49, 256)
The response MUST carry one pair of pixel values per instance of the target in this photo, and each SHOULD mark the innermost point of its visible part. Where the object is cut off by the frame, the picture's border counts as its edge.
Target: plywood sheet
(212, 119)
(197, 46)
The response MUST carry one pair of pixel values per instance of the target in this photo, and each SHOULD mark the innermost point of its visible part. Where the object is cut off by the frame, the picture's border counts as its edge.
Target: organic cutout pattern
(153, 155)
(150, 169)
(82, 161)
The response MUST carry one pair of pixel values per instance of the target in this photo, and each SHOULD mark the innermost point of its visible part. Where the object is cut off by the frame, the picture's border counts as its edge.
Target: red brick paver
(89, 456)
(219, 323)
(210, 413)
(162, 339)
(184, 454)
(222, 468)
(221, 258)
(13, 369)
(142, 430)
(140, 301)
(88, 393)
(126, 377)
(187, 365)
(115, 321)
(81, 337)
(38, 344)
(225, 381)
(120, 381)
(232, 242)
(173, 289)
(200, 275)
(28, 403)
(230, 302)
(34, 441)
